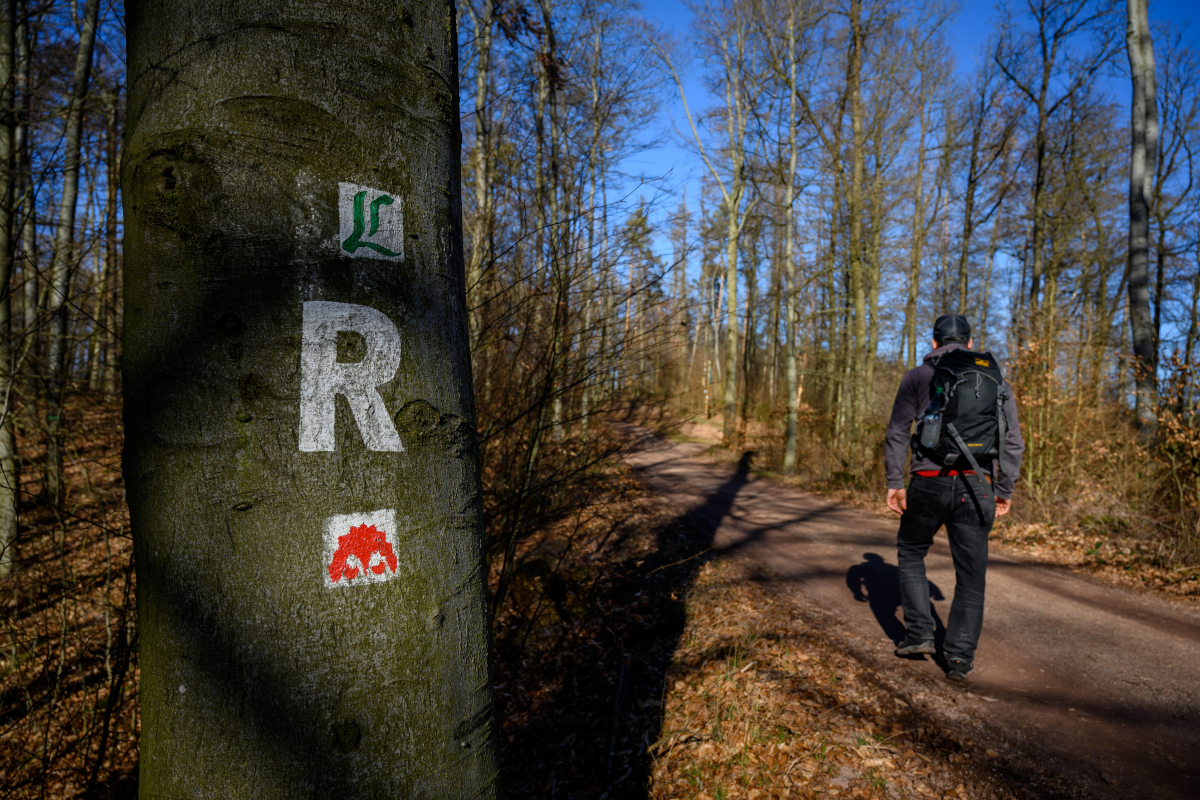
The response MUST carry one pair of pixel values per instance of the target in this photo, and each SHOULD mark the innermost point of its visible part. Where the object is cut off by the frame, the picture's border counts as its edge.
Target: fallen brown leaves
(69, 722)
(1126, 560)
(759, 706)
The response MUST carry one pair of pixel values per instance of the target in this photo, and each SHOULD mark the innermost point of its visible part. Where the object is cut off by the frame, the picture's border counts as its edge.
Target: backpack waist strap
(937, 473)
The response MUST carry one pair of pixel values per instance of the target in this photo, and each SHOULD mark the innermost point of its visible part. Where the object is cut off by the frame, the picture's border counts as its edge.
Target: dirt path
(1086, 688)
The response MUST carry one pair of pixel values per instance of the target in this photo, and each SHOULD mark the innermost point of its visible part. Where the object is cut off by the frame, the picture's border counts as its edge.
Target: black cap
(952, 328)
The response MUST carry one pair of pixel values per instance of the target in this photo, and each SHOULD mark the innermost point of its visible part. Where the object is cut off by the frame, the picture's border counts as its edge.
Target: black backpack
(965, 421)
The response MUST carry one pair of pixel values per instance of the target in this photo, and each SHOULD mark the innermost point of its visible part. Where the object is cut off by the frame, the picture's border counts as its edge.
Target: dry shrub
(1179, 454)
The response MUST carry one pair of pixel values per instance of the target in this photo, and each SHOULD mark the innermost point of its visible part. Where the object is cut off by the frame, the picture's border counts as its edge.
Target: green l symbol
(360, 225)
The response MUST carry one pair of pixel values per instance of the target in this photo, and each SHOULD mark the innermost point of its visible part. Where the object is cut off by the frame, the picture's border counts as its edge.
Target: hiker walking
(966, 455)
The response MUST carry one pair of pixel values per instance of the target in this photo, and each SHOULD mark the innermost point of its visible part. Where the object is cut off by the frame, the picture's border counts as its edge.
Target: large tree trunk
(64, 256)
(1144, 127)
(311, 596)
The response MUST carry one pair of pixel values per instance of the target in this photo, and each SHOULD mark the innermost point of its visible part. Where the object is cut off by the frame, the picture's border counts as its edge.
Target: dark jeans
(932, 503)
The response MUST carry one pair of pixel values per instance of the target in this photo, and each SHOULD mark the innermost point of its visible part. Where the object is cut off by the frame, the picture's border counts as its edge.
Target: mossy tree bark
(278, 660)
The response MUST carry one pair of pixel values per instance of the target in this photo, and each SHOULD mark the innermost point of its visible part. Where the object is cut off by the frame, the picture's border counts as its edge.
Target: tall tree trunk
(857, 351)
(8, 190)
(29, 267)
(749, 327)
(58, 351)
(872, 266)
(791, 294)
(112, 164)
(731, 321)
(1144, 128)
(311, 598)
(917, 246)
(560, 345)
(595, 282)
(99, 354)
(968, 229)
(773, 317)
(481, 236)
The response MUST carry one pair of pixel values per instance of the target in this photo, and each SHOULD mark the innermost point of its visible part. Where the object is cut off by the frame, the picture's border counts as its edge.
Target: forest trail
(1084, 686)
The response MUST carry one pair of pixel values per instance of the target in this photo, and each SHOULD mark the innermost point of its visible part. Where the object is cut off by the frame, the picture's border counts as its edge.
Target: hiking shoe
(912, 647)
(958, 670)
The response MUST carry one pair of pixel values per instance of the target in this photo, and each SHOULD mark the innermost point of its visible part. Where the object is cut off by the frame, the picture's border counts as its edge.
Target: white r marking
(323, 377)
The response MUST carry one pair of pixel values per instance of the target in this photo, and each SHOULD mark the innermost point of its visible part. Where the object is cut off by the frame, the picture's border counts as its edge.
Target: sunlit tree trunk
(1144, 129)
(311, 599)
(481, 236)
(792, 293)
(857, 350)
(917, 238)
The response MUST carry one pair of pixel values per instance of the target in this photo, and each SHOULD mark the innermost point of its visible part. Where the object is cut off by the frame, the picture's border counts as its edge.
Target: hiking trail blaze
(361, 548)
(363, 543)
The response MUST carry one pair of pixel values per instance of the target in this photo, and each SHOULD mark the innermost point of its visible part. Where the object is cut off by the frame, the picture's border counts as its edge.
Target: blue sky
(969, 31)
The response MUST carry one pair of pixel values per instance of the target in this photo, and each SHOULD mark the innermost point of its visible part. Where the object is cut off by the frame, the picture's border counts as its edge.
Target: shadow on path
(590, 739)
(877, 583)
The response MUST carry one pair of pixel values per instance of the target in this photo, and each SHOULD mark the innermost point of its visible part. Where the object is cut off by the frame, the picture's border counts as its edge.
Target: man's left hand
(897, 500)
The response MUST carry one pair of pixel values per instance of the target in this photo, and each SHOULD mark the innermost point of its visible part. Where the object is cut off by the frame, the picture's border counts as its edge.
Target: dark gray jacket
(911, 400)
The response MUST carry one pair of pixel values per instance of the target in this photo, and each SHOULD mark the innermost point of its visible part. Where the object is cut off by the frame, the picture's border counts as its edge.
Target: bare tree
(728, 37)
(1060, 69)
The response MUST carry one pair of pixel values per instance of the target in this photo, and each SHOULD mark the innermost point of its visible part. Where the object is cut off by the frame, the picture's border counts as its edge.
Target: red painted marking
(362, 543)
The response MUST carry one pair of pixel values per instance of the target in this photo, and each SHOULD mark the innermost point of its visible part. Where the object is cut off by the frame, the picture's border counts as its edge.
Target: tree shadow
(877, 583)
(588, 738)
